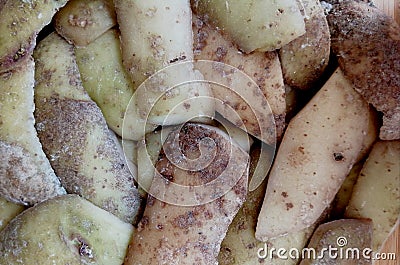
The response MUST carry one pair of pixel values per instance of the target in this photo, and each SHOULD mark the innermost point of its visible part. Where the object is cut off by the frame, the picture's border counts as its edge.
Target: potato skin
(264, 25)
(240, 246)
(105, 78)
(368, 51)
(21, 21)
(320, 145)
(376, 192)
(357, 233)
(305, 58)
(8, 211)
(162, 35)
(84, 153)
(26, 176)
(177, 234)
(80, 22)
(64, 230)
(263, 68)
(160, 42)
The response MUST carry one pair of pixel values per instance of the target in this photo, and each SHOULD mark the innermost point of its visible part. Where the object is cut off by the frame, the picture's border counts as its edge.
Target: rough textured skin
(305, 58)
(263, 68)
(21, 21)
(26, 176)
(22, 180)
(179, 235)
(82, 150)
(357, 233)
(367, 43)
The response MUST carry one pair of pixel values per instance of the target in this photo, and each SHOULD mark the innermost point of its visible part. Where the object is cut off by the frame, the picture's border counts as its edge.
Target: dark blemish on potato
(83, 247)
(289, 206)
(180, 58)
(143, 223)
(284, 194)
(19, 54)
(338, 157)
(85, 251)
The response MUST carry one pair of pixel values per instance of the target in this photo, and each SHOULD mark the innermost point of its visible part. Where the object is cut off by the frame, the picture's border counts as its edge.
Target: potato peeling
(144, 132)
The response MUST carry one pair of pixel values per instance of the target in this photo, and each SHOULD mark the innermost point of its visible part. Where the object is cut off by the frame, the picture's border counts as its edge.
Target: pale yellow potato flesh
(26, 176)
(65, 230)
(320, 145)
(264, 25)
(81, 22)
(21, 21)
(376, 193)
(8, 211)
(84, 153)
(161, 37)
(240, 247)
(105, 78)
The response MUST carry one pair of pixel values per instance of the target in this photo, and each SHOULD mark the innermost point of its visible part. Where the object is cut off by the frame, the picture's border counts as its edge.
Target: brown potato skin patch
(368, 51)
(176, 234)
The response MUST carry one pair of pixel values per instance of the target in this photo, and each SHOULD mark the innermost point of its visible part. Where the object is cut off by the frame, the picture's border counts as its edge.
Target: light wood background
(390, 7)
(392, 245)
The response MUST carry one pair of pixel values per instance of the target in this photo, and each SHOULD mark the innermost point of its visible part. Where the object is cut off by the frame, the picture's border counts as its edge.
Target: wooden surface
(391, 246)
(392, 8)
